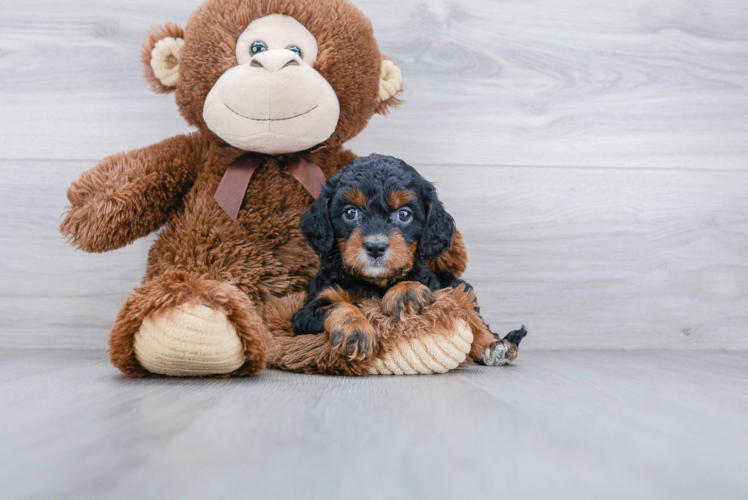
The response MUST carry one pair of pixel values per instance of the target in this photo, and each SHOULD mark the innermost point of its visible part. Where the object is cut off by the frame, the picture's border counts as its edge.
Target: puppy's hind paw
(499, 353)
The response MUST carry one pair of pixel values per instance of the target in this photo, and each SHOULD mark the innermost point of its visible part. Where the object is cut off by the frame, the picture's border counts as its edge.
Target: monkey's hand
(129, 195)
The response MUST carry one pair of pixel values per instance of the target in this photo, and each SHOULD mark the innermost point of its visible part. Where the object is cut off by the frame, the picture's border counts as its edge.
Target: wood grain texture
(594, 154)
(586, 258)
(549, 83)
(576, 425)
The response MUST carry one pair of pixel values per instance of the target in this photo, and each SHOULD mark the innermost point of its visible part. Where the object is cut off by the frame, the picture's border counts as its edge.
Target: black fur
(437, 235)
(516, 336)
(377, 176)
(315, 224)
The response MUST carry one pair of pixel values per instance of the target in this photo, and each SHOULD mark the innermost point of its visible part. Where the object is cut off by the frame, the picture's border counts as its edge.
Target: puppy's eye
(404, 216)
(258, 47)
(350, 214)
(294, 48)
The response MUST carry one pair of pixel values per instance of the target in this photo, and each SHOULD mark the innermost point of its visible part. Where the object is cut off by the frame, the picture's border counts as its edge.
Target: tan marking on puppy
(350, 332)
(396, 262)
(352, 251)
(400, 255)
(380, 283)
(356, 197)
(454, 260)
(337, 295)
(407, 298)
(399, 198)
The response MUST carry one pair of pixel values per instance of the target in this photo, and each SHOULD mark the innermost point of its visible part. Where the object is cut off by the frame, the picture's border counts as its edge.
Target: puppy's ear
(436, 238)
(316, 226)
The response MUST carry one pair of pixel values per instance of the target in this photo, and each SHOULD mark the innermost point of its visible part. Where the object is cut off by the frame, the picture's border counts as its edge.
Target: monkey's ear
(160, 56)
(316, 226)
(390, 84)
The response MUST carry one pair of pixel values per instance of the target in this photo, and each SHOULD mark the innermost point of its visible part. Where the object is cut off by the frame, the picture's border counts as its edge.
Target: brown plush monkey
(289, 81)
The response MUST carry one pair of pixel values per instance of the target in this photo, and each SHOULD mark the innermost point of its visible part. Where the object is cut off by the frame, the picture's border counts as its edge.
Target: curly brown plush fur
(202, 255)
(316, 354)
(178, 287)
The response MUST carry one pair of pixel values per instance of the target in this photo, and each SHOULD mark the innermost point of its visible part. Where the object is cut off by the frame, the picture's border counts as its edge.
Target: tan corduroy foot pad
(438, 352)
(188, 340)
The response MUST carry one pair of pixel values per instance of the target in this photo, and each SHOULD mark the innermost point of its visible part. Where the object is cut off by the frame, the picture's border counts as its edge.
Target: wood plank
(555, 83)
(599, 424)
(606, 257)
(586, 258)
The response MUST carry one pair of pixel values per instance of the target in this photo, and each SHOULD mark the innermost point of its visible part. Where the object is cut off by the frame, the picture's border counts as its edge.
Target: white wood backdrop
(593, 152)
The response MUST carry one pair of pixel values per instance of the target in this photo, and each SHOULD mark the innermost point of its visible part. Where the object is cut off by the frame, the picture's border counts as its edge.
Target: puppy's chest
(365, 289)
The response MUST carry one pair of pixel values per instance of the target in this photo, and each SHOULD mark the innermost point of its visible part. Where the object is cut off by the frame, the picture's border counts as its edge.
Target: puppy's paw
(468, 288)
(499, 353)
(351, 333)
(407, 297)
(307, 321)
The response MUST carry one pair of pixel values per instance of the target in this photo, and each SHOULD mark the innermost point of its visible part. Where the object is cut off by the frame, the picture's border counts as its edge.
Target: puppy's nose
(375, 248)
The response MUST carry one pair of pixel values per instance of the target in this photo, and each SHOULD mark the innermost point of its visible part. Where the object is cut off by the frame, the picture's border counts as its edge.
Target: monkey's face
(377, 228)
(273, 101)
(274, 77)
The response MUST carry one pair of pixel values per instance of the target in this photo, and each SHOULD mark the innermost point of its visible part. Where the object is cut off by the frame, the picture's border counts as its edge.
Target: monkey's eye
(294, 48)
(350, 214)
(258, 47)
(404, 216)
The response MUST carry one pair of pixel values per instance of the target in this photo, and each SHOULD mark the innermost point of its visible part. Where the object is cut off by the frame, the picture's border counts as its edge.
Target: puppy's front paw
(407, 297)
(351, 333)
(499, 353)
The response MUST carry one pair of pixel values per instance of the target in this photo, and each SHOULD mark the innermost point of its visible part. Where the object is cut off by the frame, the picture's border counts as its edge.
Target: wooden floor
(576, 425)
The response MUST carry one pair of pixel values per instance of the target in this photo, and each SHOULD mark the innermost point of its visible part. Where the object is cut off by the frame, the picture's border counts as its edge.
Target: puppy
(376, 226)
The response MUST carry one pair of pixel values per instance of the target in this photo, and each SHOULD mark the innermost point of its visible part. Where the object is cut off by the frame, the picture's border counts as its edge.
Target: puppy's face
(377, 224)
(378, 216)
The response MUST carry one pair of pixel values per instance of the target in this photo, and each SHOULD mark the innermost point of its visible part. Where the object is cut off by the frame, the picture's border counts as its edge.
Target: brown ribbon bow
(233, 187)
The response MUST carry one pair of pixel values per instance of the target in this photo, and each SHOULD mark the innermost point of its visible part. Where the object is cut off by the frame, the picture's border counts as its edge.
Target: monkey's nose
(375, 248)
(275, 60)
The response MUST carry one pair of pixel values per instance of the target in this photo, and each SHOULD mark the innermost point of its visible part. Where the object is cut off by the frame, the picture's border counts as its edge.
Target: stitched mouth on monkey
(270, 119)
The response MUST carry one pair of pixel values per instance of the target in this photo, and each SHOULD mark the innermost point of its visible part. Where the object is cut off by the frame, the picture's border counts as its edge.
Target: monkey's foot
(443, 349)
(185, 324)
(188, 340)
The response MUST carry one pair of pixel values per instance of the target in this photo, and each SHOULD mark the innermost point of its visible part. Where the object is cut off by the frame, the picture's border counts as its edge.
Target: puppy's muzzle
(375, 248)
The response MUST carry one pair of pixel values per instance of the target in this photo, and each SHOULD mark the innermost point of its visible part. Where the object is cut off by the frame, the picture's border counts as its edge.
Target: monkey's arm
(129, 195)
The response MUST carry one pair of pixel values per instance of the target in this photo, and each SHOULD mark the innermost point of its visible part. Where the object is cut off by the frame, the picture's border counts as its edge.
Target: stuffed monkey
(273, 88)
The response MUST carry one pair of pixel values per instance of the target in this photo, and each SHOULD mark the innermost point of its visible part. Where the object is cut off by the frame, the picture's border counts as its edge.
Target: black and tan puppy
(376, 227)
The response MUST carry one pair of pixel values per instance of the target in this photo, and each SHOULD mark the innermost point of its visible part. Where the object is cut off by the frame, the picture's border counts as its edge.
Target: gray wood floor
(577, 425)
